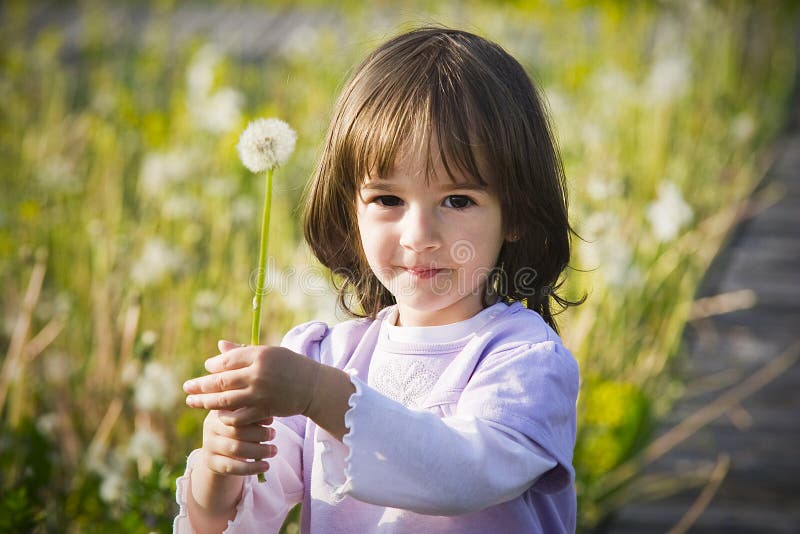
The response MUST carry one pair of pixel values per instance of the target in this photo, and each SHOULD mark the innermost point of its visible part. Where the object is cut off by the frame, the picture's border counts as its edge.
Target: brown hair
(487, 118)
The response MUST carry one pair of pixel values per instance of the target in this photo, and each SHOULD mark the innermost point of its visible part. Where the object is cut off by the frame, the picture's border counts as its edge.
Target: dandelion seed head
(149, 338)
(743, 127)
(243, 210)
(218, 112)
(145, 445)
(47, 425)
(266, 144)
(112, 488)
(157, 260)
(669, 213)
(200, 73)
(670, 78)
(156, 388)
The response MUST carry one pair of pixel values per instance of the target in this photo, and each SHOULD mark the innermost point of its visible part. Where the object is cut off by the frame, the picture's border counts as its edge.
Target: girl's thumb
(225, 346)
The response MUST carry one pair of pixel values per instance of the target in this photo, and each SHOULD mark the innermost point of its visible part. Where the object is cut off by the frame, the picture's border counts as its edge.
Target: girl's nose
(419, 231)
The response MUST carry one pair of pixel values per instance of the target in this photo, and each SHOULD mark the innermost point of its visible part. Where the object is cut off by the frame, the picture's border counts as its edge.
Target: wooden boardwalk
(756, 444)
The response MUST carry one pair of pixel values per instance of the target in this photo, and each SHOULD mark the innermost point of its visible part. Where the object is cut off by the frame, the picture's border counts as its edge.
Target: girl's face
(432, 245)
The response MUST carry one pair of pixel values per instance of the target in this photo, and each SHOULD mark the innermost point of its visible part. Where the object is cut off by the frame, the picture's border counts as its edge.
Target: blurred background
(129, 228)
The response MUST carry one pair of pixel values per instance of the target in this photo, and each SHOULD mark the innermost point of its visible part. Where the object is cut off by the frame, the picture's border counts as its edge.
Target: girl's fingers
(241, 450)
(218, 382)
(232, 359)
(232, 466)
(245, 416)
(255, 433)
(229, 400)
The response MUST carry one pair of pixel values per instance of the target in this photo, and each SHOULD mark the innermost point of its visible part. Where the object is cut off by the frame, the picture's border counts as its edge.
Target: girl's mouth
(423, 273)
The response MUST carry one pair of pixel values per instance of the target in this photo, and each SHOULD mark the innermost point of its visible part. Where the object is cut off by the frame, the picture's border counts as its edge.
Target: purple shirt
(486, 447)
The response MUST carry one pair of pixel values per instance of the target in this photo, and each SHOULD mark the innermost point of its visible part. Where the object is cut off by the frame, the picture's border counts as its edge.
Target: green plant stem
(262, 262)
(262, 270)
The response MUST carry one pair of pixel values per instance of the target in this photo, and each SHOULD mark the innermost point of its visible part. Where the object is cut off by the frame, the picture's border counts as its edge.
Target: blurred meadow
(129, 228)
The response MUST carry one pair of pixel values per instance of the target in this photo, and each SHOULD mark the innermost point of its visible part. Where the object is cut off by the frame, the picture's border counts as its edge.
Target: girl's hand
(227, 449)
(253, 383)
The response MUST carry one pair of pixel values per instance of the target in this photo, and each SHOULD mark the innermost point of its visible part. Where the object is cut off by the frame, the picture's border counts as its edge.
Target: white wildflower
(112, 487)
(130, 372)
(613, 85)
(156, 389)
(221, 187)
(301, 41)
(601, 188)
(743, 127)
(200, 73)
(156, 262)
(218, 112)
(613, 259)
(558, 103)
(145, 445)
(243, 209)
(47, 424)
(160, 170)
(668, 213)
(597, 224)
(204, 309)
(57, 367)
(266, 144)
(669, 79)
(149, 338)
(58, 174)
(592, 135)
(179, 207)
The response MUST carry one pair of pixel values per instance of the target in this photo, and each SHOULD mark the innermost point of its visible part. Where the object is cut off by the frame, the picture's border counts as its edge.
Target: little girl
(449, 405)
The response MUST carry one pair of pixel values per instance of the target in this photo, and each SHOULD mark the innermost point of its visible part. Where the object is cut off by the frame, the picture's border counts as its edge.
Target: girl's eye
(458, 202)
(388, 201)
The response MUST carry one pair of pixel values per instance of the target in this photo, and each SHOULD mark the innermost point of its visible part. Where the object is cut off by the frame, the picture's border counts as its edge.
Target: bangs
(420, 108)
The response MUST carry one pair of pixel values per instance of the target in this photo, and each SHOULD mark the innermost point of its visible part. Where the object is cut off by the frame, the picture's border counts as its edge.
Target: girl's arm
(513, 427)
(207, 505)
(212, 499)
(330, 402)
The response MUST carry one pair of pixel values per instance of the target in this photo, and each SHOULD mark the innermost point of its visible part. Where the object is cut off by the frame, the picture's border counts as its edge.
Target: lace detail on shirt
(405, 380)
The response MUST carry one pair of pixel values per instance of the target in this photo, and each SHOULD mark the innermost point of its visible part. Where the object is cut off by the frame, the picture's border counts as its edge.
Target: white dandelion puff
(179, 207)
(266, 144)
(243, 210)
(601, 188)
(145, 445)
(112, 488)
(670, 78)
(221, 187)
(200, 73)
(162, 170)
(743, 127)
(204, 310)
(669, 213)
(149, 338)
(156, 389)
(47, 425)
(220, 111)
(156, 262)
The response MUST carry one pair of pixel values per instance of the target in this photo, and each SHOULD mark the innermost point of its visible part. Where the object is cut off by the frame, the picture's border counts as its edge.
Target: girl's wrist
(330, 400)
(212, 498)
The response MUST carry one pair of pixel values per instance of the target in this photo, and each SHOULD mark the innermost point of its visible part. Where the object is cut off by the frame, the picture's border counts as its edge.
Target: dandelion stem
(262, 261)
(262, 270)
